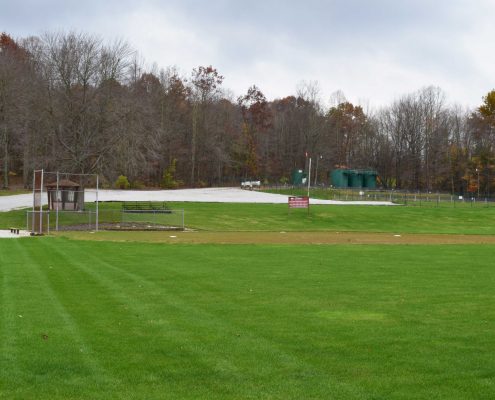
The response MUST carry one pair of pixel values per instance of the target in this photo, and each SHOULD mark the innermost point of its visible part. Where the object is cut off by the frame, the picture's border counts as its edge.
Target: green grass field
(87, 320)
(129, 320)
(275, 217)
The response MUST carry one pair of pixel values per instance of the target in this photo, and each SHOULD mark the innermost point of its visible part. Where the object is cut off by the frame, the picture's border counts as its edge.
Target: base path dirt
(281, 237)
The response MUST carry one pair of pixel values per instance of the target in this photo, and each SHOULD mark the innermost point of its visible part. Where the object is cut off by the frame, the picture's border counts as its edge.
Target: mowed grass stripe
(228, 217)
(9, 318)
(149, 320)
(254, 321)
(63, 355)
(187, 327)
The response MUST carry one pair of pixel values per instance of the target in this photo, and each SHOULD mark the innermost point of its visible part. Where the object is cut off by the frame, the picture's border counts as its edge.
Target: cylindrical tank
(369, 179)
(298, 177)
(339, 178)
(356, 180)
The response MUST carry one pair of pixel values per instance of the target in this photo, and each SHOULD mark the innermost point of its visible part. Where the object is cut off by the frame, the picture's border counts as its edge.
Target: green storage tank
(299, 177)
(369, 179)
(351, 178)
(356, 180)
(340, 178)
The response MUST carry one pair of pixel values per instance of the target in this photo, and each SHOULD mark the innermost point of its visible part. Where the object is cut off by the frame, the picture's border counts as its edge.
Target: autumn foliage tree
(481, 166)
(256, 119)
(205, 86)
(487, 109)
(14, 93)
(74, 102)
(347, 123)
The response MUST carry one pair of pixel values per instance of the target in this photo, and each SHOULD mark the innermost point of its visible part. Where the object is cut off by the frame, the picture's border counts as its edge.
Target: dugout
(64, 196)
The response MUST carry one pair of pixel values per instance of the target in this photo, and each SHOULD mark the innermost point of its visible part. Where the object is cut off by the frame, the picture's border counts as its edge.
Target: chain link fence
(409, 198)
(51, 221)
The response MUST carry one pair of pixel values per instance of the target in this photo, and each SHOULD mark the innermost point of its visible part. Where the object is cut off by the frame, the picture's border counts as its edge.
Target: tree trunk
(193, 143)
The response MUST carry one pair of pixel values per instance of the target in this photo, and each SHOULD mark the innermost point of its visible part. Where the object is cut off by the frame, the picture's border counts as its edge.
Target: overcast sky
(372, 50)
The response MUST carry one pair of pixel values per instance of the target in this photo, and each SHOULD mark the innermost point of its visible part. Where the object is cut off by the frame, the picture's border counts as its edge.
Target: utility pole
(309, 175)
(5, 159)
(478, 172)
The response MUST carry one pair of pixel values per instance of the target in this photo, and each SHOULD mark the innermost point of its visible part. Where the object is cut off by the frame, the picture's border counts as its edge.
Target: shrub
(168, 179)
(122, 182)
(137, 184)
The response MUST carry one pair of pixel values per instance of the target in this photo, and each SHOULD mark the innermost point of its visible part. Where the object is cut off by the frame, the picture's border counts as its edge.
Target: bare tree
(205, 88)
(79, 71)
(15, 79)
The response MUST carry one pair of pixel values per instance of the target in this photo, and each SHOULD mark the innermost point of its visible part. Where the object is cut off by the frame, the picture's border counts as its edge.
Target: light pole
(478, 172)
(309, 176)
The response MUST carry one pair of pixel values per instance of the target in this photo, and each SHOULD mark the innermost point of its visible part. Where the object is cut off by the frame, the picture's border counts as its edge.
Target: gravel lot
(209, 195)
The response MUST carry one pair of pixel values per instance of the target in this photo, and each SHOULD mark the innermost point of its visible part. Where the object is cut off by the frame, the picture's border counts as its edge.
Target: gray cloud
(369, 49)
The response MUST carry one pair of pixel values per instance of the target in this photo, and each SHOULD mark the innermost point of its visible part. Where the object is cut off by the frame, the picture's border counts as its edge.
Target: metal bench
(145, 207)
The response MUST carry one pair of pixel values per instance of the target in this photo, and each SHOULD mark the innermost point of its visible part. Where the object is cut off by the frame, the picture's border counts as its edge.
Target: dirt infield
(314, 238)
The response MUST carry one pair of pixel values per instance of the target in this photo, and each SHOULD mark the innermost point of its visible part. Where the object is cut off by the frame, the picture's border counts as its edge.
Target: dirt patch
(314, 238)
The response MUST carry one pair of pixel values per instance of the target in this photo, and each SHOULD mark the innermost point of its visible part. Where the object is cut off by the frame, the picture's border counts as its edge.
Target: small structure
(299, 177)
(65, 196)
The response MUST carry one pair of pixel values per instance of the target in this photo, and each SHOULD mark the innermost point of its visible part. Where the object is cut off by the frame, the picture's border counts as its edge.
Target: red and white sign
(299, 202)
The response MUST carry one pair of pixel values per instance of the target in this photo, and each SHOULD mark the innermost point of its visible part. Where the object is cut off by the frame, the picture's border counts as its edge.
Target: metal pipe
(41, 204)
(97, 215)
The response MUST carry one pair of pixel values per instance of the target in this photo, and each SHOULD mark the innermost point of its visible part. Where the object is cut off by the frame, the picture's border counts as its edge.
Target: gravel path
(208, 195)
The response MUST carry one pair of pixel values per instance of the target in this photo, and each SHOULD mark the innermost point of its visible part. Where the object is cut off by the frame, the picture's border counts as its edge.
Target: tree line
(72, 102)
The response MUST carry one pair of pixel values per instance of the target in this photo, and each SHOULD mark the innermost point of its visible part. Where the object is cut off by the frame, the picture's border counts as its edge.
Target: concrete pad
(6, 234)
